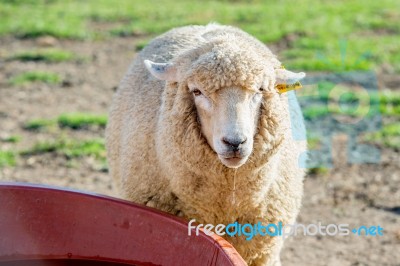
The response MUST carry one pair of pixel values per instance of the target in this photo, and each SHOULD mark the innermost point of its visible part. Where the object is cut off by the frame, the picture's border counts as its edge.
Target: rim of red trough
(39, 222)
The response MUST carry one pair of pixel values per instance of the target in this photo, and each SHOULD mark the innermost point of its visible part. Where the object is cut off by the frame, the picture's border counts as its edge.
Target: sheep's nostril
(234, 143)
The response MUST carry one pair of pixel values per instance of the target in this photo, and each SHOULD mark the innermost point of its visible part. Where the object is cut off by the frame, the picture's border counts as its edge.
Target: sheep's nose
(234, 143)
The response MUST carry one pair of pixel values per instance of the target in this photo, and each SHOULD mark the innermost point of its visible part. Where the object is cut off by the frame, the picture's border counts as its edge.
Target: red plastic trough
(46, 226)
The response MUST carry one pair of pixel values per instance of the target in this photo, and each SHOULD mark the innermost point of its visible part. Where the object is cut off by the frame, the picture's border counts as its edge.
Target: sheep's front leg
(259, 251)
(272, 255)
(165, 202)
(265, 260)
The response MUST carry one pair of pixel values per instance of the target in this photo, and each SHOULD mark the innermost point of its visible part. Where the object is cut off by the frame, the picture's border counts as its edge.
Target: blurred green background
(311, 31)
(61, 62)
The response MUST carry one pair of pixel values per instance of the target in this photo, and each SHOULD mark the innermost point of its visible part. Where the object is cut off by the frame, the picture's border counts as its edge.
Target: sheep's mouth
(232, 161)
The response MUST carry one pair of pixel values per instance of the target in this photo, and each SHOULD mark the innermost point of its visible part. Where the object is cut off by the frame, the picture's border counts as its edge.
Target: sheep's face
(228, 118)
(228, 113)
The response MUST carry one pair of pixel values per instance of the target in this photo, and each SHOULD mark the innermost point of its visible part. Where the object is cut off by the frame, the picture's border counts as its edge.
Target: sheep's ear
(284, 76)
(287, 80)
(163, 71)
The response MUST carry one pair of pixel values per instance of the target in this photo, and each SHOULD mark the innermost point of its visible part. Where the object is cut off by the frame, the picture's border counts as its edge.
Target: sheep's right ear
(162, 71)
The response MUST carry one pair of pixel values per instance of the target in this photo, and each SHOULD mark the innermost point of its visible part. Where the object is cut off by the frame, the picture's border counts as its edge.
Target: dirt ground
(366, 194)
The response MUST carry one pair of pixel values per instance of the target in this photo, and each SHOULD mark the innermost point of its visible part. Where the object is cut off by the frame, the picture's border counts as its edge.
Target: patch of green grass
(390, 97)
(388, 136)
(390, 110)
(352, 104)
(35, 76)
(94, 147)
(7, 158)
(354, 110)
(38, 124)
(41, 18)
(316, 111)
(141, 44)
(81, 120)
(390, 103)
(313, 142)
(314, 37)
(318, 171)
(49, 55)
(11, 139)
(70, 148)
(68, 120)
(328, 61)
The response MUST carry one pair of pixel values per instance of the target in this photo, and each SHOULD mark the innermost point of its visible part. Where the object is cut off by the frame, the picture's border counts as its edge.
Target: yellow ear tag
(288, 87)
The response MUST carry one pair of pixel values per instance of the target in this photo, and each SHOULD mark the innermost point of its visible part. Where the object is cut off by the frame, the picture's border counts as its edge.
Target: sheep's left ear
(287, 80)
(162, 71)
(284, 76)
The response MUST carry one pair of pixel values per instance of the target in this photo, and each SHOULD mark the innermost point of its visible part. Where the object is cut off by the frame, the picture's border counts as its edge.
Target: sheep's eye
(196, 92)
(261, 89)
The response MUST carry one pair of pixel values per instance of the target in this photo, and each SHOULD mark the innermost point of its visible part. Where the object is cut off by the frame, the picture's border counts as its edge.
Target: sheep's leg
(250, 250)
(265, 260)
(165, 203)
(151, 202)
(273, 257)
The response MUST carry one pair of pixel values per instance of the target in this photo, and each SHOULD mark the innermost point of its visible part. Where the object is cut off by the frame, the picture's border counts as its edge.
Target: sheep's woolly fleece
(157, 153)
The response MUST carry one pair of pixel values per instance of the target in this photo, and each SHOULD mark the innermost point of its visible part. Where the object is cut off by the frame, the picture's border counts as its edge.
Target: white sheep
(204, 134)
